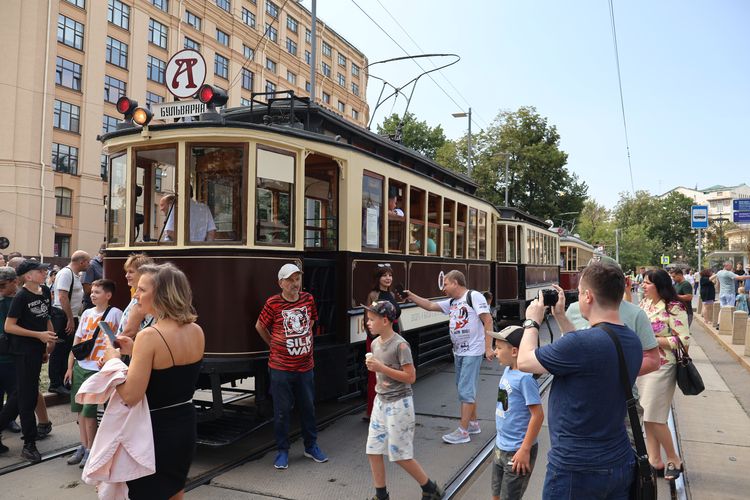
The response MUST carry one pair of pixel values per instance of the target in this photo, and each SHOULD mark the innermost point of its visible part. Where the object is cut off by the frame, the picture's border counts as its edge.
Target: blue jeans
(293, 389)
(611, 483)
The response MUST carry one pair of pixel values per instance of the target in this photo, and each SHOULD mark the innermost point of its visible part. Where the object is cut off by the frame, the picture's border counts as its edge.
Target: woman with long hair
(670, 324)
(166, 361)
(381, 290)
(133, 318)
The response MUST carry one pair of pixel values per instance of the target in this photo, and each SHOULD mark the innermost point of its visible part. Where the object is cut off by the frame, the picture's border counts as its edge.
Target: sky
(684, 65)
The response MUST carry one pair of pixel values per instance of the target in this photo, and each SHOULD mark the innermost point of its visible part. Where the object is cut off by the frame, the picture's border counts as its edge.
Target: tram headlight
(142, 116)
(212, 96)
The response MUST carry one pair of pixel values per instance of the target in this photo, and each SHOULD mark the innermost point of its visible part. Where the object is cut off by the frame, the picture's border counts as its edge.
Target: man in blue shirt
(590, 456)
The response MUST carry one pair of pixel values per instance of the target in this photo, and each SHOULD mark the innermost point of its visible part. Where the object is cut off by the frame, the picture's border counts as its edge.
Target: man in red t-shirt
(286, 325)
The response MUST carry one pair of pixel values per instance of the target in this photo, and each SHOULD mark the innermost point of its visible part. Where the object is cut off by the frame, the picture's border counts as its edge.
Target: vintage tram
(286, 180)
(575, 254)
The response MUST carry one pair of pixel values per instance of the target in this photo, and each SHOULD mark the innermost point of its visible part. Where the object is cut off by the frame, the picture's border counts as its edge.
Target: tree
(415, 134)
(594, 223)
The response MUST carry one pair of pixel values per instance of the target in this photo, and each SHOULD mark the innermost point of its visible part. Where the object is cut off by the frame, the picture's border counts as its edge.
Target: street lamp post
(468, 140)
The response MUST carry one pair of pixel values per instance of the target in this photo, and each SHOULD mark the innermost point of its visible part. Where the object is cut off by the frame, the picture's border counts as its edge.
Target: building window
(248, 17)
(307, 86)
(113, 89)
(342, 80)
(152, 99)
(65, 158)
(247, 79)
(109, 124)
(271, 65)
(161, 4)
(104, 167)
(355, 70)
(327, 49)
(157, 33)
(355, 114)
(224, 5)
(270, 86)
(308, 36)
(78, 3)
(67, 116)
(63, 199)
(68, 74)
(291, 24)
(291, 46)
(193, 20)
(70, 32)
(273, 33)
(118, 13)
(291, 78)
(221, 66)
(308, 57)
(117, 52)
(326, 70)
(62, 245)
(244, 101)
(192, 44)
(342, 60)
(355, 89)
(222, 38)
(248, 52)
(341, 106)
(272, 9)
(155, 68)
(326, 98)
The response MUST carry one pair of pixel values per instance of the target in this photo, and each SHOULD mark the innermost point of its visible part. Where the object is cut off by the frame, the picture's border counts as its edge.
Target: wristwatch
(530, 323)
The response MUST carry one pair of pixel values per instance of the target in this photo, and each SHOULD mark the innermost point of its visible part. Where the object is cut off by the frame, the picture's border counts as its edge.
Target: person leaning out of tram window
(134, 318)
(286, 325)
(165, 363)
(381, 290)
(670, 322)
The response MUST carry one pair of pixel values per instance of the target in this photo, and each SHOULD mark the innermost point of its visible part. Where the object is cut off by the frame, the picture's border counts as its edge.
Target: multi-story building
(66, 62)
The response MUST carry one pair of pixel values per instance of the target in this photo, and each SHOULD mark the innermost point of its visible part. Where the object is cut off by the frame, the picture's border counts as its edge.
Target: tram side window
(153, 196)
(372, 211)
(118, 201)
(216, 192)
(396, 218)
(502, 243)
(274, 197)
(461, 231)
(433, 224)
(449, 212)
(482, 235)
(416, 221)
(472, 233)
(572, 259)
(513, 245)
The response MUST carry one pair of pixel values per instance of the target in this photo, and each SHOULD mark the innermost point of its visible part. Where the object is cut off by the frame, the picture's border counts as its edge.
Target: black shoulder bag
(644, 483)
(689, 380)
(82, 350)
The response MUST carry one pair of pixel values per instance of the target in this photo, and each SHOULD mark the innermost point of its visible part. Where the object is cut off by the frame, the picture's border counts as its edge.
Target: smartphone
(104, 327)
(398, 291)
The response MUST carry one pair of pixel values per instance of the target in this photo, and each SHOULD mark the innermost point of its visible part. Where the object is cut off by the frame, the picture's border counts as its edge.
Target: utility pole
(617, 245)
(507, 179)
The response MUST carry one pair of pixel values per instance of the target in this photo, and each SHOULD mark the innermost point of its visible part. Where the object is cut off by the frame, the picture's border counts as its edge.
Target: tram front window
(153, 195)
(117, 200)
(274, 198)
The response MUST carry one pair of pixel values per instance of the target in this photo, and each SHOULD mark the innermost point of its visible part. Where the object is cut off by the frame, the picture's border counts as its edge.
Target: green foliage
(415, 134)
(594, 223)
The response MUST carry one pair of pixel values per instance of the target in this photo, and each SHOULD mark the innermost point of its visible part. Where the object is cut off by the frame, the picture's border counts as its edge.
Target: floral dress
(668, 322)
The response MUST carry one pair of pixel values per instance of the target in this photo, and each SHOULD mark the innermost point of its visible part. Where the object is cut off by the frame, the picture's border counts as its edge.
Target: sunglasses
(384, 265)
(502, 397)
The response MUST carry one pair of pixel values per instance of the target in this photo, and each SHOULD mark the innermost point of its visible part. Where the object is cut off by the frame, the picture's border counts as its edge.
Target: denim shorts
(726, 300)
(467, 374)
(507, 484)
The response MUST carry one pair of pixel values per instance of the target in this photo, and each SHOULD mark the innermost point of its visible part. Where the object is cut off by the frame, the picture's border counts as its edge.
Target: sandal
(659, 471)
(671, 472)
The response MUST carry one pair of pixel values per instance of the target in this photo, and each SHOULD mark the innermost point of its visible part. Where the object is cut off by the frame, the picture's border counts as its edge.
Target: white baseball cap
(287, 270)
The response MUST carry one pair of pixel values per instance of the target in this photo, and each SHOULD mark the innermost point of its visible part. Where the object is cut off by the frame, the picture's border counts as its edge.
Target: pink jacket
(123, 448)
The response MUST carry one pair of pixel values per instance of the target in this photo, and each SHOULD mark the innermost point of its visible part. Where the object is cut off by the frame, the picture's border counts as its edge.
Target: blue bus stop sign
(742, 205)
(699, 217)
(742, 217)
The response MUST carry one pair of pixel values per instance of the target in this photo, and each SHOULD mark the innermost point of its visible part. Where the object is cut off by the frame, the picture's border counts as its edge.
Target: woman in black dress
(166, 359)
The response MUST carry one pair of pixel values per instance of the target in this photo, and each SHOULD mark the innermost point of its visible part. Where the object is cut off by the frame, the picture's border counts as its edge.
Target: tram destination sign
(179, 109)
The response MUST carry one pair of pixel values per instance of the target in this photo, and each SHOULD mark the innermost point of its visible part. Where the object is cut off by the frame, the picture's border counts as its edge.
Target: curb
(727, 346)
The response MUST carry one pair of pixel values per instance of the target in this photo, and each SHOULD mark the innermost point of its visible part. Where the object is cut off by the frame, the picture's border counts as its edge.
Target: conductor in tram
(202, 225)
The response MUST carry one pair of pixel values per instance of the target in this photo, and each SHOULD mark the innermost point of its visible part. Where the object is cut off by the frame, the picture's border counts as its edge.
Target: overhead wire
(622, 99)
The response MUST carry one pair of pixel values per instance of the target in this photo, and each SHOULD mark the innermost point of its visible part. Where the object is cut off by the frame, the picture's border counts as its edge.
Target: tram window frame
(434, 201)
(366, 174)
(472, 233)
(396, 223)
(119, 215)
(292, 193)
(461, 215)
(482, 235)
(417, 220)
(321, 200)
(239, 226)
(513, 243)
(449, 228)
(150, 202)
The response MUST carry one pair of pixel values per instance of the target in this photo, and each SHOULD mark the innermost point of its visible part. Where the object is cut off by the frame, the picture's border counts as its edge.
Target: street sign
(742, 217)
(741, 204)
(179, 109)
(185, 73)
(699, 217)
(665, 260)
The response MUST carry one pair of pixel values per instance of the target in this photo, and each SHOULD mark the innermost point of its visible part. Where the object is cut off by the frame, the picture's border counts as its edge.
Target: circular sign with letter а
(441, 280)
(186, 72)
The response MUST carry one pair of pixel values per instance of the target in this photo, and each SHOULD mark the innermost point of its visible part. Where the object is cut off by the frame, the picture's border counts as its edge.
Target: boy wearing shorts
(80, 370)
(518, 416)
(392, 421)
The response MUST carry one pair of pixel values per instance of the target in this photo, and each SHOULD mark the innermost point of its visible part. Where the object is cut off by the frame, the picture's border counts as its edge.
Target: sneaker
(43, 429)
(316, 454)
(76, 457)
(282, 460)
(474, 427)
(84, 459)
(13, 427)
(457, 437)
(435, 495)
(61, 390)
(30, 453)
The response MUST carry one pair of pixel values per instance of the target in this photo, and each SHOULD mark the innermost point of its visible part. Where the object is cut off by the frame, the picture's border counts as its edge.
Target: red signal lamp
(126, 106)
(212, 96)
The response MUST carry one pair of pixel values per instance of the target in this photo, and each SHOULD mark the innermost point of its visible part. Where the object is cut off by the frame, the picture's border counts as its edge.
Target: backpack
(469, 300)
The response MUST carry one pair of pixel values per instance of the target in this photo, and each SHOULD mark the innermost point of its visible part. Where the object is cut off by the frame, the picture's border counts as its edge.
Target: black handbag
(689, 380)
(82, 350)
(644, 482)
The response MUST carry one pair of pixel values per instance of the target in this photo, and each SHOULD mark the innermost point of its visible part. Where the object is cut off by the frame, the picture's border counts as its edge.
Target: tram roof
(513, 213)
(314, 122)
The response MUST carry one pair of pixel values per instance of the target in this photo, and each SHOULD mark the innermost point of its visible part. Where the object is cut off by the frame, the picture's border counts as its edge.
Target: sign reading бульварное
(179, 109)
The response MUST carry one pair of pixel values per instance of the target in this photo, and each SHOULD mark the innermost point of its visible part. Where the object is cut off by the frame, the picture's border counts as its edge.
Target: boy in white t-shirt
(80, 370)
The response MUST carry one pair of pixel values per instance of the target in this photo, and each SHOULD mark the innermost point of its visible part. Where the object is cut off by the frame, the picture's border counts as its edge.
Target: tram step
(229, 428)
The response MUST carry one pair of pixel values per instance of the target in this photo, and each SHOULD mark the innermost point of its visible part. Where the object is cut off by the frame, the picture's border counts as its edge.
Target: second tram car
(575, 254)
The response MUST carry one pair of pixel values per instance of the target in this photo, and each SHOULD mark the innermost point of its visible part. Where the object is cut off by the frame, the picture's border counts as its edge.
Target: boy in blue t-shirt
(519, 417)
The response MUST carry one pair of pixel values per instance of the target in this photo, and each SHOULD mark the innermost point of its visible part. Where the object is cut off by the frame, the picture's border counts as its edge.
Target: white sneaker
(76, 457)
(84, 459)
(474, 427)
(457, 437)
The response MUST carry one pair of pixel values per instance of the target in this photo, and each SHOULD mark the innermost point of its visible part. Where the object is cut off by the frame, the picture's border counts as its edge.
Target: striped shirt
(291, 328)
